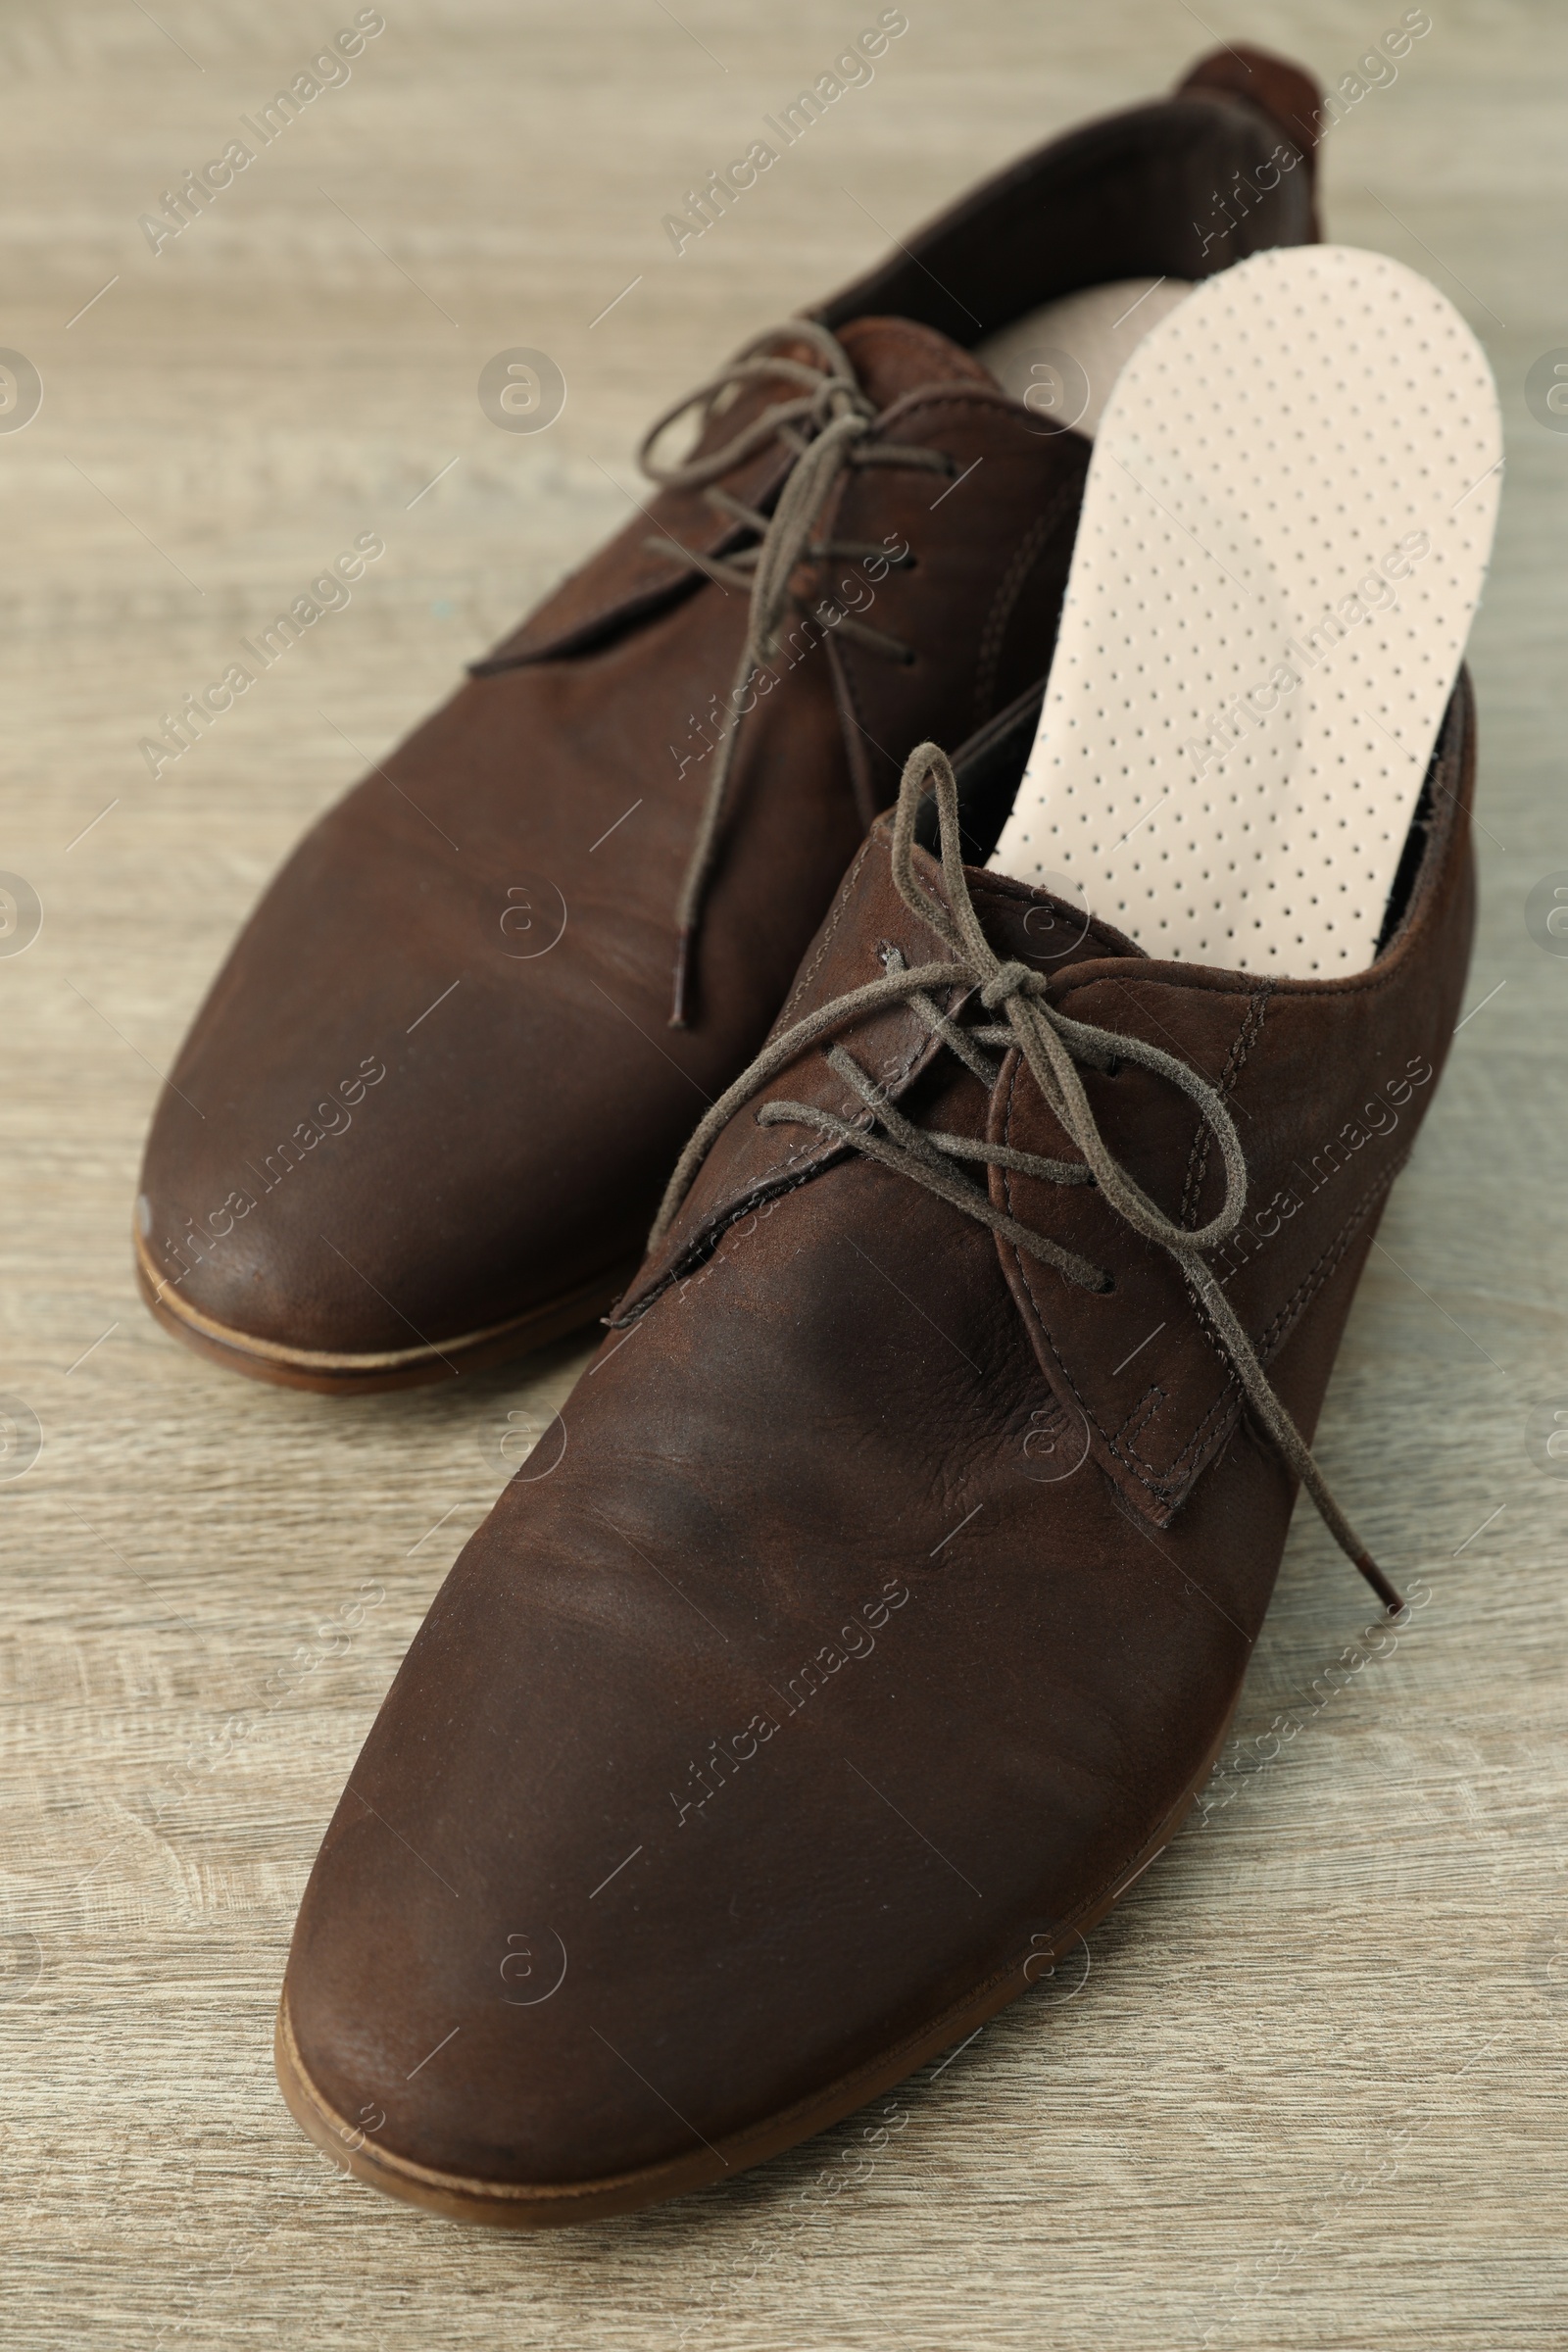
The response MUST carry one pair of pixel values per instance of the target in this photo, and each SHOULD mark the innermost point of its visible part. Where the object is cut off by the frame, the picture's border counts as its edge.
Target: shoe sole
(336, 1375)
(509, 2205)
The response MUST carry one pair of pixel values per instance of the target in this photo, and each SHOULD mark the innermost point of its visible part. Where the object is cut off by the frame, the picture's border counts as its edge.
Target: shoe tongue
(894, 356)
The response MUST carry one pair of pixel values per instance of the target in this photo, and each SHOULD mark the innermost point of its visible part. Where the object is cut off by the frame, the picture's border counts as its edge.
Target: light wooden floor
(1312, 2092)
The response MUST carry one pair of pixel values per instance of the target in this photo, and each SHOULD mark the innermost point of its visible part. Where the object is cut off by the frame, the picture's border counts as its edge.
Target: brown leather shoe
(886, 1597)
(426, 1113)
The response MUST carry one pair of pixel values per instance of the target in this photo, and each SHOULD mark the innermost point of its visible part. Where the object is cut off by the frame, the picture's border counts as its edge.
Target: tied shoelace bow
(1054, 1046)
(826, 425)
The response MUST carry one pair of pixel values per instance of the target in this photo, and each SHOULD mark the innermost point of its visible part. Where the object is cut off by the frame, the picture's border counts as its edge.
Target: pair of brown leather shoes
(889, 1598)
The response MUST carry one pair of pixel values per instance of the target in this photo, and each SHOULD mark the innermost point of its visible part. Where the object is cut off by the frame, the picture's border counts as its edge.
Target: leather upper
(818, 1675)
(434, 1090)
(524, 1127)
(1327, 1082)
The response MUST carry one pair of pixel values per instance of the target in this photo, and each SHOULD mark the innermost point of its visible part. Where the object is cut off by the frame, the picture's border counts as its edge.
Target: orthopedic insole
(1285, 532)
(1063, 360)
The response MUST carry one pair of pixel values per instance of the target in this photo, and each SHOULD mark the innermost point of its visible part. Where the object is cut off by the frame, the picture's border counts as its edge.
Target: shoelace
(1054, 1046)
(825, 425)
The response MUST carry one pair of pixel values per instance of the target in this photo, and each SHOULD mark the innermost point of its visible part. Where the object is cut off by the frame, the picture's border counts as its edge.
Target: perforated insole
(1063, 360)
(1285, 534)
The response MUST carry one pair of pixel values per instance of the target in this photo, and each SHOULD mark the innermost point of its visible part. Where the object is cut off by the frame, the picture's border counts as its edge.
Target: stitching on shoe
(1245, 1040)
(1009, 589)
(1156, 1483)
(1317, 1274)
(1005, 603)
(1141, 1414)
(845, 897)
(847, 705)
(1275, 1332)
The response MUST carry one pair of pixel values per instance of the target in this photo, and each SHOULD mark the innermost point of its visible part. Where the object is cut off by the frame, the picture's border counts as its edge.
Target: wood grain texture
(1311, 2090)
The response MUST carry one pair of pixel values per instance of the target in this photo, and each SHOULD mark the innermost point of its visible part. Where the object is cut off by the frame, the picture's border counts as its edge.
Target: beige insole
(1286, 527)
(1063, 360)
